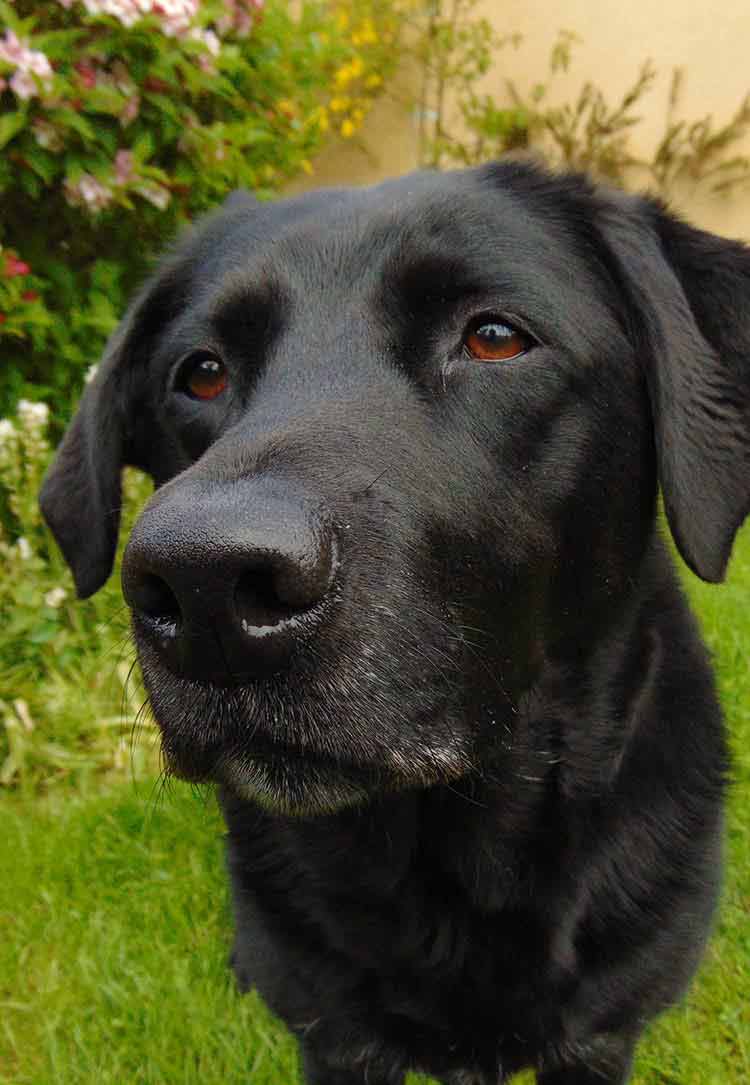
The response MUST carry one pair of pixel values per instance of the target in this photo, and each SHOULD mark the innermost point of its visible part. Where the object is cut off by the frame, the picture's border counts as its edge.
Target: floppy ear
(690, 301)
(80, 495)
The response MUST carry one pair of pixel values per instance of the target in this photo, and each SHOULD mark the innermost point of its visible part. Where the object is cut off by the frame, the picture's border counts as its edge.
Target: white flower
(24, 548)
(88, 192)
(7, 432)
(208, 38)
(176, 15)
(55, 597)
(90, 373)
(155, 194)
(33, 415)
(22, 84)
(47, 135)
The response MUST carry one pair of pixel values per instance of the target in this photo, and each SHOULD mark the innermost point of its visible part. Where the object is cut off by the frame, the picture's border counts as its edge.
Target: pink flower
(176, 15)
(86, 74)
(124, 167)
(12, 49)
(130, 110)
(31, 66)
(22, 84)
(127, 11)
(239, 17)
(30, 295)
(14, 266)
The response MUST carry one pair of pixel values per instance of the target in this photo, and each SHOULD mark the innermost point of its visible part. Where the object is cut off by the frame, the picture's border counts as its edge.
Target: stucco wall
(710, 41)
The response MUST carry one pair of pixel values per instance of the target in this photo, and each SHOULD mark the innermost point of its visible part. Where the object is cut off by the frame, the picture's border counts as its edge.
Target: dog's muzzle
(226, 580)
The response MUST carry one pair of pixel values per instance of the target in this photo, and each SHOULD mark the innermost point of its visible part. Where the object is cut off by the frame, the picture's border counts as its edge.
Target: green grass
(115, 927)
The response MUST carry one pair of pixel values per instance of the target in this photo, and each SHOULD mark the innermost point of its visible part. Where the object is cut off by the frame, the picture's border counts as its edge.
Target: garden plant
(120, 121)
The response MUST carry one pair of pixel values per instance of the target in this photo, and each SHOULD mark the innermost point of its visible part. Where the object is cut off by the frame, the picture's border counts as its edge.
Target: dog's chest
(420, 974)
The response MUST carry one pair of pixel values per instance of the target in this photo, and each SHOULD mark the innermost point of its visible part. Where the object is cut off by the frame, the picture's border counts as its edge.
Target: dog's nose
(226, 580)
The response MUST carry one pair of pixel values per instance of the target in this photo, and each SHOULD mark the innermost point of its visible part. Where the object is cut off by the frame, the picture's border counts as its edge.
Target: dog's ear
(690, 308)
(81, 493)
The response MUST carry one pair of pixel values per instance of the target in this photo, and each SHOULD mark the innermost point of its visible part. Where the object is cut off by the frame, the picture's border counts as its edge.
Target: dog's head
(406, 443)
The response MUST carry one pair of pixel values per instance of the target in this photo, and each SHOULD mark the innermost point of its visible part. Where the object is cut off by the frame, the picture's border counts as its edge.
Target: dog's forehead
(467, 214)
(446, 234)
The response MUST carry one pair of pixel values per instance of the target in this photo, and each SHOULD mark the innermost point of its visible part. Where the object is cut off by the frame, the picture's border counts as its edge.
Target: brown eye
(204, 377)
(494, 341)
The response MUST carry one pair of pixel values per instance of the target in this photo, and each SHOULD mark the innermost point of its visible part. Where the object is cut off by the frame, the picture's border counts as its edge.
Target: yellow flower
(347, 72)
(342, 77)
(366, 35)
(347, 129)
(358, 115)
(306, 165)
(342, 20)
(321, 119)
(339, 105)
(373, 81)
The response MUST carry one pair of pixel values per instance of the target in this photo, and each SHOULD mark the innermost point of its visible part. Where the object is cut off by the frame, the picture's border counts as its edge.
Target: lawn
(115, 926)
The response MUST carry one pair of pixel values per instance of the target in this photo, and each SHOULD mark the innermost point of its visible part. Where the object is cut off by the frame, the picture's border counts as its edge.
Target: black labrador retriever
(401, 593)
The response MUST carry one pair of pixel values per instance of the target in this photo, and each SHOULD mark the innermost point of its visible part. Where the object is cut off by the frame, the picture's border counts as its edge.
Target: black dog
(401, 593)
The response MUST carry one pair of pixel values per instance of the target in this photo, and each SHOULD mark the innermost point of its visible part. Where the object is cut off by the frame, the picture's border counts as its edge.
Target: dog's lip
(270, 752)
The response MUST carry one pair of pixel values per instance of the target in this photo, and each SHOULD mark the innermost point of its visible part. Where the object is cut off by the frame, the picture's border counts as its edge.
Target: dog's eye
(495, 341)
(203, 376)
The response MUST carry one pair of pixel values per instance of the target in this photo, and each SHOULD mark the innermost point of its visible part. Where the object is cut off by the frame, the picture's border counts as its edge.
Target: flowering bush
(122, 119)
(57, 653)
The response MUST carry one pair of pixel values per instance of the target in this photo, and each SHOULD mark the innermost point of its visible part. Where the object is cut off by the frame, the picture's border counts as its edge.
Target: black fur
(475, 817)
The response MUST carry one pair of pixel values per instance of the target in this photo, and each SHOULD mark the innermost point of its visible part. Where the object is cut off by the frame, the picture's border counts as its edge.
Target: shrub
(67, 698)
(459, 122)
(122, 119)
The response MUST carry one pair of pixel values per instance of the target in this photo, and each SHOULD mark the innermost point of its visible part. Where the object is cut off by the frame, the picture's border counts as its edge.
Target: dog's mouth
(316, 737)
(292, 780)
(270, 759)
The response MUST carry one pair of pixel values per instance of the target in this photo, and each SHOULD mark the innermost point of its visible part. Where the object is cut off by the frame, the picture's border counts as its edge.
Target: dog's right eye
(202, 376)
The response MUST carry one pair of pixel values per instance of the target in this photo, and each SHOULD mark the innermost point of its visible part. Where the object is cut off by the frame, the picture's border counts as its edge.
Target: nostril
(152, 596)
(257, 600)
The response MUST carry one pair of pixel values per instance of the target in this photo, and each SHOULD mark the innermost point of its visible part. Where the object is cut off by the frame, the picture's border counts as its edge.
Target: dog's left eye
(495, 341)
(203, 376)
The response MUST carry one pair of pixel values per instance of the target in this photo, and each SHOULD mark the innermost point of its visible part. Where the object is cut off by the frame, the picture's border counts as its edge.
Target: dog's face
(406, 443)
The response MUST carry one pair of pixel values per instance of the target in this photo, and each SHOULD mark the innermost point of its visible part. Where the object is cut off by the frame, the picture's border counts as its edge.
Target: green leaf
(10, 125)
(143, 147)
(31, 184)
(44, 164)
(74, 121)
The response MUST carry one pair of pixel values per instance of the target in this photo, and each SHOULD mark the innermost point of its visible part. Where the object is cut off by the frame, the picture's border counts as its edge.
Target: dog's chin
(301, 788)
(295, 786)
(270, 747)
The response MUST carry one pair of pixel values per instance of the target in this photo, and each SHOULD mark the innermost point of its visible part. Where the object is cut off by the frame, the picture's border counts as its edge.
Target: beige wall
(710, 41)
